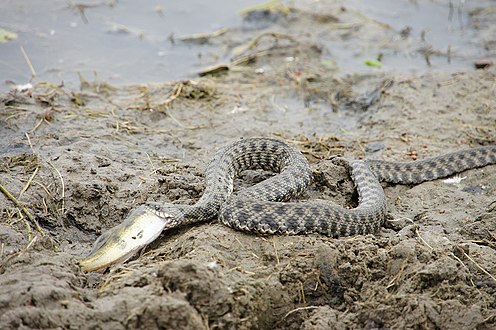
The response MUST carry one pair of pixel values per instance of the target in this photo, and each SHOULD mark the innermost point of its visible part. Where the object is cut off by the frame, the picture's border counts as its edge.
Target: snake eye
(153, 206)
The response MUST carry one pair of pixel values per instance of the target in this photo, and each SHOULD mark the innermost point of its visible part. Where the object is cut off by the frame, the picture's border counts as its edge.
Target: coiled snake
(263, 208)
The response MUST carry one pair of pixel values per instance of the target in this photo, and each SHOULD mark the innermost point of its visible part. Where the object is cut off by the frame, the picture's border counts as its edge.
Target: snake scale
(262, 208)
(265, 208)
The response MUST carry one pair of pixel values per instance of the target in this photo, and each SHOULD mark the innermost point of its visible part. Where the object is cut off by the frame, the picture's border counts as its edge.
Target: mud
(79, 160)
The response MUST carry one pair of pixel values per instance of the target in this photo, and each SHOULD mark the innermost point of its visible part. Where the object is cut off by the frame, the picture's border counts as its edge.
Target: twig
(154, 169)
(28, 226)
(15, 201)
(423, 240)
(31, 242)
(63, 186)
(240, 50)
(176, 92)
(299, 309)
(22, 207)
(302, 293)
(45, 205)
(29, 182)
(30, 65)
(479, 266)
(203, 37)
(402, 218)
(42, 186)
(239, 242)
(177, 121)
(395, 280)
(29, 141)
(38, 124)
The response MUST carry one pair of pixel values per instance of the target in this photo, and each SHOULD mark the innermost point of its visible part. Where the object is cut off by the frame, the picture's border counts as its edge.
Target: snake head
(141, 227)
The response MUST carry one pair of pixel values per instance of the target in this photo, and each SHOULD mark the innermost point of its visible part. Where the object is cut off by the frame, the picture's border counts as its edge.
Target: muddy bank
(79, 160)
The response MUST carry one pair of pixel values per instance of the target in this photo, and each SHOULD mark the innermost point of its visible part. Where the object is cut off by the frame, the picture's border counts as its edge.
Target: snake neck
(205, 209)
(200, 211)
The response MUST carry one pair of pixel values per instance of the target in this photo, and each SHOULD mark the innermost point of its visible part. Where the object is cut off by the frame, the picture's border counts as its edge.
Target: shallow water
(439, 25)
(124, 43)
(128, 42)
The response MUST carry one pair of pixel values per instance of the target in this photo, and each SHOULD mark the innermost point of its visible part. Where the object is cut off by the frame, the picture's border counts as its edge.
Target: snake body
(264, 207)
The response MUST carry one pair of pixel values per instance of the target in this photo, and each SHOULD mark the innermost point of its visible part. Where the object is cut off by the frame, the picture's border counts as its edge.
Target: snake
(266, 207)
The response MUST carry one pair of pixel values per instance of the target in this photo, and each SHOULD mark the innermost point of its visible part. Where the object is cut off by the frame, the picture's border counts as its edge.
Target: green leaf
(373, 63)
(6, 36)
(330, 64)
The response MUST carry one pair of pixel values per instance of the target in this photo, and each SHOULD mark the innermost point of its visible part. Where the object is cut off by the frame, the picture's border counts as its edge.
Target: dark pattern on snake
(263, 208)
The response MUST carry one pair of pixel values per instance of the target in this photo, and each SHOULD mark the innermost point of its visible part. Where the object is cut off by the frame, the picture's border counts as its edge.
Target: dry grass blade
(22, 208)
(26, 187)
(479, 266)
(421, 238)
(28, 61)
(63, 187)
(203, 37)
(299, 309)
(240, 50)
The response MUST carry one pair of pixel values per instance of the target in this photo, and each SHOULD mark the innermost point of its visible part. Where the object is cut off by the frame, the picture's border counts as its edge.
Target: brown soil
(87, 157)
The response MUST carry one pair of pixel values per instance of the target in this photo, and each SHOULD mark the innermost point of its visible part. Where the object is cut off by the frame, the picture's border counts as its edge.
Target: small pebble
(212, 265)
(483, 63)
(374, 146)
